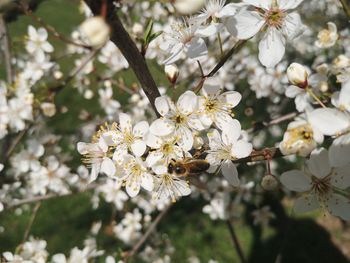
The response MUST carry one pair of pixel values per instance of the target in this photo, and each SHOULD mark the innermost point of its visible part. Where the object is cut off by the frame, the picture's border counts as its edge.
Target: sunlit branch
(346, 7)
(6, 49)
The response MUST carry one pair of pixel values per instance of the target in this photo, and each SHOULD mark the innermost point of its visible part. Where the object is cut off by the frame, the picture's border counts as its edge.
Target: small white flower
(300, 138)
(276, 18)
(168, 186)
(37, 43)
(181, 41)
(327, 37)
(186, 7)
(96, 155)
(215, 107)
(178, 119)
(107, 102)
(320, 184)
(112, 193)
(95, 30)
(135, 175)
(297, 75)
(226, 148)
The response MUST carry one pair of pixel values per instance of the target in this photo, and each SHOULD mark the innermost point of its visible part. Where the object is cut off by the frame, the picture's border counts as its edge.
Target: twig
(235, 241)
(261, 155)
(145, 236)
(121, 38)
(345, 7)
(47, 197)
(6, 49)
(31, 221)
(219, 65)
(49, 28)
(261, 125)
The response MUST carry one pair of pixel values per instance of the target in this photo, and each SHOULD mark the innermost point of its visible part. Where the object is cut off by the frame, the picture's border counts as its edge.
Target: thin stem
(312, 94)
(145, 236)
(220, 44)
(235, 241)
(31, 221)
(345, 7)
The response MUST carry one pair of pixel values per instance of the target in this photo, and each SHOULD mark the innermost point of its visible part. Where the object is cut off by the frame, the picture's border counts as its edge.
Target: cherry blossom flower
(274, 17)
(96, 155)
(181, 41)
(112, 193)
(37, 43)
(215, 106)
(327, 37)
(300, 138)
(135, 175)
(168, 186)
(320, 183)
(227, 147)
(178, 119)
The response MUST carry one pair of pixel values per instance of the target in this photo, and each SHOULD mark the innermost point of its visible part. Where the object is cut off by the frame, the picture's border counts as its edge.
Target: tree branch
(345, 7)
(6, 49)
(235, 241)
(121, 38)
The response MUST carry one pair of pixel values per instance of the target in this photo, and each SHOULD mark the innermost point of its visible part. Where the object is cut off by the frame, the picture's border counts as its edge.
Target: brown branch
(262, 125)
(145, 236)
(237, 47)
(51, 29)
(6, 49)
(31, 221)
(121, 38)
(261, 155)
(235, 241)
(346, 7)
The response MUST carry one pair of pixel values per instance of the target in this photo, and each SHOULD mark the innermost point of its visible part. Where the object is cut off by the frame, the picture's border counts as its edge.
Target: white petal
(141, 128)
(245, 24)
(231, 132)
(344, 96)
(196, 48)
(133, 189)
(230, 98)
(230, 172)
(292, 91)
(152, 140)
(241, 149)
(271, 48)
(339, 206)
(288, 4)
(103, 145)
(292, 26)
(147, 181)
(120, 153)
(339, 152)
(162, 127)
(108, 167)
(329, 121)
(95, 170)
(138, 148)
(266, 4)
(223, 120)
(318, 164)
(341, 177)
(185, 138)
(295, 180)
(162, 105)
(153, 157)
(42, 34)
(175, 54)
(207, 31)
(214, 139)
(187, 102)
(182, 188)
(195, 123)
(228, 10)
(306, 203)
(125, 122)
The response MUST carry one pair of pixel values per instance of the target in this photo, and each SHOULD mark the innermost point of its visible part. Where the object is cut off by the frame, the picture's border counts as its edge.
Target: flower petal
(295, 180)
(339, 205)
(318, 164)
(230, 98)
(241, 149)
(138, 148)
(230, 172)
(306, 203)
(341, 177)
(271, 48)
(125, 122)
(162, 105)
(162, 127)
(185, 140)
(147, 181)
(108, 167)
(133, 188)
(197, 48)
(187, 102)
(140, 129)
(288, 4)
(245, 24)
(339, 151)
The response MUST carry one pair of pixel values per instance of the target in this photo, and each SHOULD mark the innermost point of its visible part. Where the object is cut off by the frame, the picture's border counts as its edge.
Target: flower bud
(297, 75)
(49, 109)
(187, 7)
(269, 182)
(137, 30)
(172, 72)
(96, 30)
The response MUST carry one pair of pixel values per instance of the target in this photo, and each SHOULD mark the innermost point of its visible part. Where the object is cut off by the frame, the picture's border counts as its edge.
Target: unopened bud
(297, 75)
(269, 182)
(187, 7)
(49, 109)
(172, 72)
(96, 30)
(137, 30)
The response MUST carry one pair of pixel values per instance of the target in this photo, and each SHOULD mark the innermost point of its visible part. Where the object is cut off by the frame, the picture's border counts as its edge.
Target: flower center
(179, 119)
(324, 36)
(211, 105)
(321, 186)
(274, 17)
(167, 148)
(303, 133)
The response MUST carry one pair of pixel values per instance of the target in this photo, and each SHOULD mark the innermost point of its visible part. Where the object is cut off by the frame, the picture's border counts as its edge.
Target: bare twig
(145, 236)
(31, 221)
(51, 29)
(123, 41)
(346, 7)
(235, 241)
(6, 49)
(261, 125)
